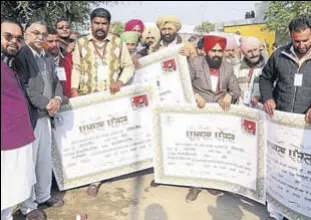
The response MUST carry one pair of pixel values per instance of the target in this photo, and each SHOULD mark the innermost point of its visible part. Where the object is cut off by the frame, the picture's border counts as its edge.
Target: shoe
(93, 189)
(35, 215)
(53, 202)
(215, 192)
(193, 194)
(154, 184)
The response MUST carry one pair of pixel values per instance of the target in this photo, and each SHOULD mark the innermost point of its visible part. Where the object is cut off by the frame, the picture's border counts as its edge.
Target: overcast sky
(192, 13)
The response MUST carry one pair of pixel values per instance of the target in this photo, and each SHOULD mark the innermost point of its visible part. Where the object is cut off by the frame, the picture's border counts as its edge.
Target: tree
(117, 27)
(49, 11)
(205, 27)
(280, 13)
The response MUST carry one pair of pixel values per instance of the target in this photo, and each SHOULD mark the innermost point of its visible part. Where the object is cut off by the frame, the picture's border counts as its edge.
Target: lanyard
(101, 56)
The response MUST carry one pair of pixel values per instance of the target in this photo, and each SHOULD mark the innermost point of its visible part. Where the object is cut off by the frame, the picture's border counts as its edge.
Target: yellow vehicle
(257, 30)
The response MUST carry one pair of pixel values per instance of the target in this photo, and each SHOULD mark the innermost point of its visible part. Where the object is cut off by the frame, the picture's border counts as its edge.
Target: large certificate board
(101, 136)
(211, 148)
(289, 165)
(168, 72)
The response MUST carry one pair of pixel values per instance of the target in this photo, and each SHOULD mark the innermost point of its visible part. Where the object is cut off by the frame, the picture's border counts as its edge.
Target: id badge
(247, 97)
(61, 74)
(102, 72)
(298, 79)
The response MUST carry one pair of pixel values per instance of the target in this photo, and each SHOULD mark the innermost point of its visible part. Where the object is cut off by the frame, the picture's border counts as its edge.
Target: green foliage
(117, 27)
(280, 13)
(205, 27)
(49, 11)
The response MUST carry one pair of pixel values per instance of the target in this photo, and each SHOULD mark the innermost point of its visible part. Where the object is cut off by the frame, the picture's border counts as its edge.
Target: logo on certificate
(249, 127)
(169, 66)
(140, 101)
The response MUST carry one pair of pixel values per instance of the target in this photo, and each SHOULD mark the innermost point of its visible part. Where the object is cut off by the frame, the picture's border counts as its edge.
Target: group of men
(41, 70)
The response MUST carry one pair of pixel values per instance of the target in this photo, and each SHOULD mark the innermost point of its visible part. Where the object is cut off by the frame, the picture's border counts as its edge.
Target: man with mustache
(230, 53)
(101, 62)
(46, 94)
(63, 64)
(17, 170)
(285, 83)
(150, 37)
(249, 70)
(169, 26)
(213, 80)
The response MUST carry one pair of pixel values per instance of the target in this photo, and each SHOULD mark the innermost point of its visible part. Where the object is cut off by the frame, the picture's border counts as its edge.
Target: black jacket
(277, 81)
(28, 71)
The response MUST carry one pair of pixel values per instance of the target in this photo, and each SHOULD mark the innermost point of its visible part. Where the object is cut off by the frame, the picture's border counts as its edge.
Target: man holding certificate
(213, 80)
(101, 61)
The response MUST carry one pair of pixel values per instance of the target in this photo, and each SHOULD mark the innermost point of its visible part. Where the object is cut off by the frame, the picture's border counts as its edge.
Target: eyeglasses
(38, 33)
(63, 27)
(9, 37)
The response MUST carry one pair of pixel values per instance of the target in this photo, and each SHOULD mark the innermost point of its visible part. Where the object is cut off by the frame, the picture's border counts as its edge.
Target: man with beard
(17, 169)
(285, 83)
(64, 31)
(101, 62)
(230, 53)
(46, 94)
(169, 26)
(249, 70)
(131, 38)
(150, 37)
(213, 80)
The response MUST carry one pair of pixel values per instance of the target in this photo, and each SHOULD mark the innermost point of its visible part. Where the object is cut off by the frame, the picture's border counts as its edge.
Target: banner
(101, 136)
(168, 72)
(289, 165)
(211, 148)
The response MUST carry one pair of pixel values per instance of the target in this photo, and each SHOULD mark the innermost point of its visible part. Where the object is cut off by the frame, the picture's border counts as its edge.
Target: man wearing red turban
(137, 26)
(213, 80)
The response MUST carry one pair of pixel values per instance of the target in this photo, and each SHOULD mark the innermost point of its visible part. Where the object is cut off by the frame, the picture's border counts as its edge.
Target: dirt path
(132, 198)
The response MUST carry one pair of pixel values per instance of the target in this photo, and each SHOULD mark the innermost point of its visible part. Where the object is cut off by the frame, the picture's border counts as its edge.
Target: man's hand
(136, 62)
(200, 100)
(53, 106)
(185, 51)
(270, 106)
(225, 102)
(74, 93)
(308, 116)
(254, 100)
(115, 87)
(70, 47)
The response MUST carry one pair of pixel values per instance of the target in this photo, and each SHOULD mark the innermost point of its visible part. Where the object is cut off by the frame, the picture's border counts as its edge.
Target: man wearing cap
(137, 26)
(150, 37)
(169, 26)
(213, 80)
(249, 70)
(101, 62)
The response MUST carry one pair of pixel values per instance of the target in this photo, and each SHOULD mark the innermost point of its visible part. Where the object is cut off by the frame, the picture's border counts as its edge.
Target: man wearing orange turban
(213, 80)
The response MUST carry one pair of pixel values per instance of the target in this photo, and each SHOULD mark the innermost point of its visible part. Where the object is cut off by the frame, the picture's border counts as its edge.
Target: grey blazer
(201, 80)
(30, 76)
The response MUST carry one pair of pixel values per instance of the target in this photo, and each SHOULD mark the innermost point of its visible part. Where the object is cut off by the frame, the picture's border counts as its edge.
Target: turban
(210, 41)
(133, 23)
(130, 37)
(231, 43)
(151, 32)
(171, 19)
(249, 43)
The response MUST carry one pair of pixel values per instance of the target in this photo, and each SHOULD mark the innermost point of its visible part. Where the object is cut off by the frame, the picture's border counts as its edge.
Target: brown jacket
(201, 80)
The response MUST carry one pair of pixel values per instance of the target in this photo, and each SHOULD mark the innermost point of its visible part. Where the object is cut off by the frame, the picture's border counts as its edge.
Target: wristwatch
(59, 98)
